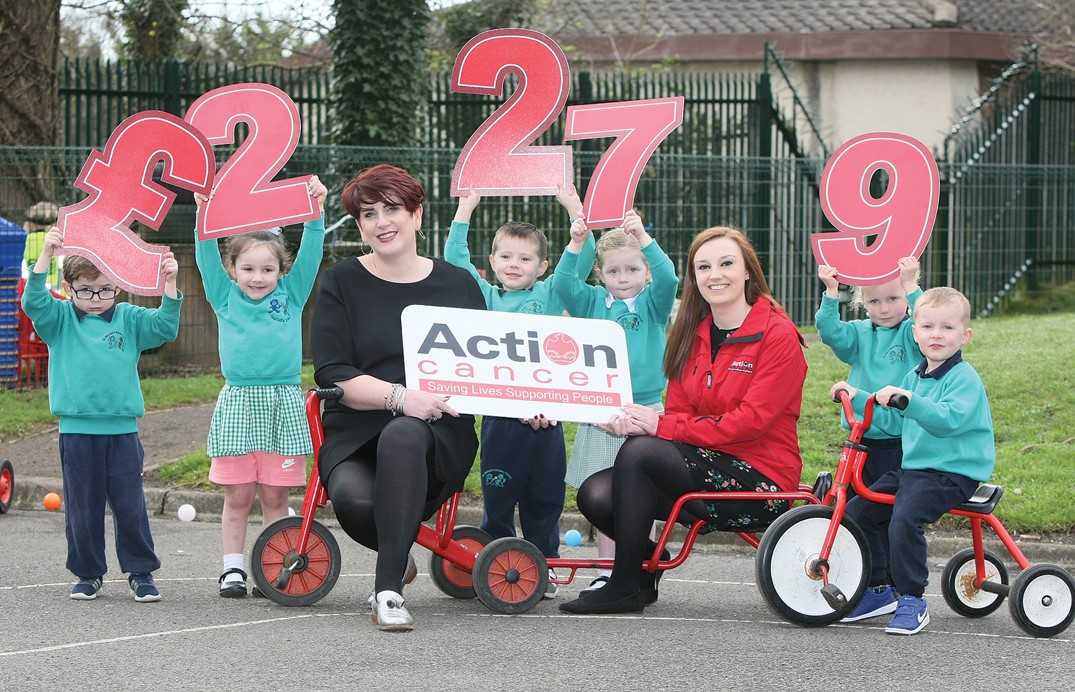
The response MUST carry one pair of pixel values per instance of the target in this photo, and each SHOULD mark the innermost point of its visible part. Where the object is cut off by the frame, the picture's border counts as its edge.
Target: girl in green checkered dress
(258, 438)
(638, 291)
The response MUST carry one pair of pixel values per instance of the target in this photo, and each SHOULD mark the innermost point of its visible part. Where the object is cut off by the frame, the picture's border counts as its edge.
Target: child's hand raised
(632, 225)
(200, 199)
(908, 273)
(468, 202)
(579, 232)
(568, 197)
(53, 240)
(827, 275)
(169, 267)
(318, 191)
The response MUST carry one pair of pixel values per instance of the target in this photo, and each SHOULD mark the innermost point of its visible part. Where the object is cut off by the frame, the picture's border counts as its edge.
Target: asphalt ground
(711, 629)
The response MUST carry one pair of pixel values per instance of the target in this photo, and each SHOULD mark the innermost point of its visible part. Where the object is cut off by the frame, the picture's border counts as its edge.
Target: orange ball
(52, 502)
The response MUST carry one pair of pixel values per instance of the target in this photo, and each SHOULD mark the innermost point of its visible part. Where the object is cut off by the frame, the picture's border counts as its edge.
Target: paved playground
(711, 628)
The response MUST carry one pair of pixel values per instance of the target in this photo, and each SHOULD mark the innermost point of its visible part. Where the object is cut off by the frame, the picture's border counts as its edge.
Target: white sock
(233, 561)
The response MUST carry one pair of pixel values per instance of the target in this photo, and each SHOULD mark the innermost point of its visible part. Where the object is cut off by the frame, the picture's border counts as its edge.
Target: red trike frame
(849, 470)
(438, 538)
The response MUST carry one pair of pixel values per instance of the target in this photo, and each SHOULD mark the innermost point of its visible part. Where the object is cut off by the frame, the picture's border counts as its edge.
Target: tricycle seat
(984, 500)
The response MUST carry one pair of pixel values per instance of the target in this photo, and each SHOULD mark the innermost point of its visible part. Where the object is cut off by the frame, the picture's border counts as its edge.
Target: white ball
(290, 512)
(186, 513)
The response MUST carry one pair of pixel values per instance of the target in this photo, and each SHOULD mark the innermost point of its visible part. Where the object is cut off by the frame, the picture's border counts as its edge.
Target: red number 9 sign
(121, 190)
(902, 219)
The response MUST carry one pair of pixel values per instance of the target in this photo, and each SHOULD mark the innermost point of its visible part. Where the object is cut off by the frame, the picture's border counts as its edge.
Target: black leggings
(650, 475)
(380, 492)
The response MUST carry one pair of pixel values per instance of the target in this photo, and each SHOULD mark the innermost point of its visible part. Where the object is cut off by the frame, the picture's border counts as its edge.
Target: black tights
(380, 492)
(623, 501)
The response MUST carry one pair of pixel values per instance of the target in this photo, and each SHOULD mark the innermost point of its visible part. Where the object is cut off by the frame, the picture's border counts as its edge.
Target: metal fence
(985, 233)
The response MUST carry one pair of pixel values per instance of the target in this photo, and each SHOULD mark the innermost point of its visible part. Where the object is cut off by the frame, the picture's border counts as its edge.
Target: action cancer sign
(565, 368)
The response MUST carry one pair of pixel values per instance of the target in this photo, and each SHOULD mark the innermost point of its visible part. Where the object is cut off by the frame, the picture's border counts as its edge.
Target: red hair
(382, 183)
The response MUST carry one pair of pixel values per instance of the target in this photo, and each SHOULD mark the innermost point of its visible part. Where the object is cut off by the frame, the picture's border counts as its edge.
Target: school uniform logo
(742, 365)
(495, 478)
(113, 341)
(532, 307)
(278, 309)
(896, 354)
(630, 322)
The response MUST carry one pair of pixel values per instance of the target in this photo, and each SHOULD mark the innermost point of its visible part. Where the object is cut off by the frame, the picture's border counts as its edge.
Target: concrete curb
(163, 502)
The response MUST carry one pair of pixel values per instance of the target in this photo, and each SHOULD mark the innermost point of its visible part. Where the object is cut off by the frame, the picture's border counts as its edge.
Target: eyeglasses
(88, 293)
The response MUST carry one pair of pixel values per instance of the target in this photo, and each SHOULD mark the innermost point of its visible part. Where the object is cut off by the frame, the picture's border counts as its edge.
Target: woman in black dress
(391, 455)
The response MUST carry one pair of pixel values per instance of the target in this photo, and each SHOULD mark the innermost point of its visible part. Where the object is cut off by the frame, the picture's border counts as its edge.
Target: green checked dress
(594, 450)
(261, 407)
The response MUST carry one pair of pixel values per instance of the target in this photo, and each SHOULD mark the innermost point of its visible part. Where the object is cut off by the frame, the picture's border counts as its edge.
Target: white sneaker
(553, 588)
(410, 573)
(389, 613)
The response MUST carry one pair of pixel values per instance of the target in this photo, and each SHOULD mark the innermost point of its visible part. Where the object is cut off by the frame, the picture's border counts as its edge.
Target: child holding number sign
(258, 438)
(522, 461)
(94, 346)
(879, 350)
(627, 258)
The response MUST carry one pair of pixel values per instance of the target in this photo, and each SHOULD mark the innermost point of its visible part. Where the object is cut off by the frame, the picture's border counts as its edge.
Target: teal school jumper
(93, 359)
(645, 326)
(878, 356)
(947, 425)
(260, 341)
(539, 299)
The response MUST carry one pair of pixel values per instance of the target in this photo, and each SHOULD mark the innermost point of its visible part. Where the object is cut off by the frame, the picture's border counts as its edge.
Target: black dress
(356, 331)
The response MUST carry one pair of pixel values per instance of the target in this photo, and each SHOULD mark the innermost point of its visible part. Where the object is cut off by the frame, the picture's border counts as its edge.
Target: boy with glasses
(94, 346)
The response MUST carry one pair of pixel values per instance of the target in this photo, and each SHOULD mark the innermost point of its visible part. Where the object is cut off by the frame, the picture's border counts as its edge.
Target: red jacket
(745, 402)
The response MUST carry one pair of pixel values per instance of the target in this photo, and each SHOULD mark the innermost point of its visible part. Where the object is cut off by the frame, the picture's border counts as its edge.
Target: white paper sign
(518, 365)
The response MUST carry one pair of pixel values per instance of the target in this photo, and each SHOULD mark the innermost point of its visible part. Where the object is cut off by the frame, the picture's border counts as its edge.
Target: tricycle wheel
(957, 584)
(313, 573)
(510, 576)
(787, 562)
(7, 485)
(452, 579)
(1041, 600)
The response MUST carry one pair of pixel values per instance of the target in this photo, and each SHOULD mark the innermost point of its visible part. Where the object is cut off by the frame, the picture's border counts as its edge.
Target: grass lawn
(1025, 360)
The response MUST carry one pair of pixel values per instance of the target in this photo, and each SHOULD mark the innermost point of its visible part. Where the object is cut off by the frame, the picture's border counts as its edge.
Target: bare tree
(29, 95)
(1057, 42)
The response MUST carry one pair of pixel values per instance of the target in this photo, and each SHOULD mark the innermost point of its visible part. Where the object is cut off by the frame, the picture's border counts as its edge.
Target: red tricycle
(296, 560)
(813, 562)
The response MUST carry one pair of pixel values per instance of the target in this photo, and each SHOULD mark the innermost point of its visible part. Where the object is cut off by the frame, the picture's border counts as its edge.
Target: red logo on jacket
(742, 366)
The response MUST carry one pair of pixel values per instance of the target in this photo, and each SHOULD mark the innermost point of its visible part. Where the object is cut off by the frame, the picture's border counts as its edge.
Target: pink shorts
(266, 468)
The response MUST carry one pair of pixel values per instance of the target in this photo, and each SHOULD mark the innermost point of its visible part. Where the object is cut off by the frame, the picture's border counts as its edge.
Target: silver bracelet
(393, 401)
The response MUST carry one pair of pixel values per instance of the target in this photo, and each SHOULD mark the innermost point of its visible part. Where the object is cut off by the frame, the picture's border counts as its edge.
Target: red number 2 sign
(121, 190)
(902, 219)
(244, 199)
(497, 160)
(639, 128)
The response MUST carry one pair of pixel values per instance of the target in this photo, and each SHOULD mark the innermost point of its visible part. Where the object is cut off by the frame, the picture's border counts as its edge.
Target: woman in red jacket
(735, 371)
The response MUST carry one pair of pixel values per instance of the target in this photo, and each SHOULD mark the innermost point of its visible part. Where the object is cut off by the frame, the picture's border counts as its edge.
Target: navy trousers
(525, 468)
(96, 469)
(884, 456)
(894, 532)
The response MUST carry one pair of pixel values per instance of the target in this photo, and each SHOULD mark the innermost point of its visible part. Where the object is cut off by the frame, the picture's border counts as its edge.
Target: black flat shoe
(594, 605)
(650, 580)
(235, 589)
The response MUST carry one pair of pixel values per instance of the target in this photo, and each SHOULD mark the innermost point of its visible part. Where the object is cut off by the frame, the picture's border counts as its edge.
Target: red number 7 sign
(121, 189)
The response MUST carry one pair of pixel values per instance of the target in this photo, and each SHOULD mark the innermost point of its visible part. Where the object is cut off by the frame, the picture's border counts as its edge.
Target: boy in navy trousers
(948, 448)
(94, 346)
(522, 462)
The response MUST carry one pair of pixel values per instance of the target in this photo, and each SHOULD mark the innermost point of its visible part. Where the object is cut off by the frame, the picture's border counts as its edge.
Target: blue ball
(573, 537)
